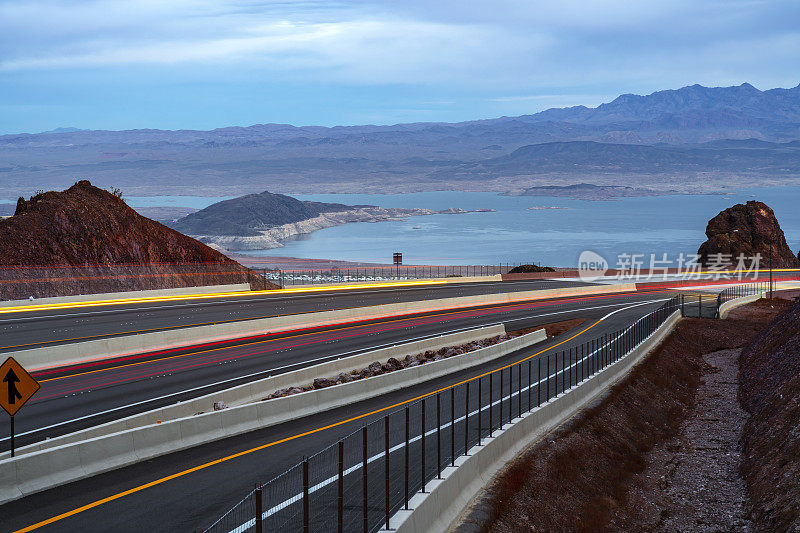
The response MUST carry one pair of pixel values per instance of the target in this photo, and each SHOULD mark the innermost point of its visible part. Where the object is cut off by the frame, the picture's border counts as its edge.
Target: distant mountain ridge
(641, 139)
(736, 105)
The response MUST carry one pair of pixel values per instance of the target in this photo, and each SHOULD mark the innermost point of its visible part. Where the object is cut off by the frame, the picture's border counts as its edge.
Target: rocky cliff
(87, 240)
(747, 229)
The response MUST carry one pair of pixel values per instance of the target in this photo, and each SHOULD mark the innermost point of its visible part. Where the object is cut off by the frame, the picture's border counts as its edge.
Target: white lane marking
(324, 483)
(335, 356)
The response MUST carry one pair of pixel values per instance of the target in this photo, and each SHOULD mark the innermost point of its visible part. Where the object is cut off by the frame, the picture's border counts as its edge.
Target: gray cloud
(513, 54)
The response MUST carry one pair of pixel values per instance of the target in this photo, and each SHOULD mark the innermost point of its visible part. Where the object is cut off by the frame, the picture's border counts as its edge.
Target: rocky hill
(748, 229)
(87, 240)
(243, 216)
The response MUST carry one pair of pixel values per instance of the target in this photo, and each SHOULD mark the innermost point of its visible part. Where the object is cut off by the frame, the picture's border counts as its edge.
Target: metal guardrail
(358, 483)
(707, 305)
(292, 277)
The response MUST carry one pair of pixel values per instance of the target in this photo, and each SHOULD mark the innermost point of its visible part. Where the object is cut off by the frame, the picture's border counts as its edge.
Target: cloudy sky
(201, 64)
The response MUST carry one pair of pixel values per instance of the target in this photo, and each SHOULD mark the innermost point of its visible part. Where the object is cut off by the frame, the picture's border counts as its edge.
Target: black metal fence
(358, 483)
(293, 277)
(706, 304)
(739, 291)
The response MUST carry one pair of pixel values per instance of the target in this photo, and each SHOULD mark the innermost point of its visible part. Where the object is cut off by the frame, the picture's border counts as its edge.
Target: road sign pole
(16, 388)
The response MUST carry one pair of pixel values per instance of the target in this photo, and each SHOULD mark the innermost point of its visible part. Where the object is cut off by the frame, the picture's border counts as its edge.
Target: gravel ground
(692, 482)
(660, 452)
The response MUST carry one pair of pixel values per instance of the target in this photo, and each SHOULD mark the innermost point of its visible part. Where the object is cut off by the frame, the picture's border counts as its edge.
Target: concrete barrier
(100, 349)
(439, 508)
(154, 293)
(33, 471)
(730, 305)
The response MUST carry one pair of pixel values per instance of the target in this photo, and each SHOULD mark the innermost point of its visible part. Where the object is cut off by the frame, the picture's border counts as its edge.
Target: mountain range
(696, 138)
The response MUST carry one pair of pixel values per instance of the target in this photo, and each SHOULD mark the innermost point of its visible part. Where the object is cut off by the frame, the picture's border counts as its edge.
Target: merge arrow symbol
(12, 380)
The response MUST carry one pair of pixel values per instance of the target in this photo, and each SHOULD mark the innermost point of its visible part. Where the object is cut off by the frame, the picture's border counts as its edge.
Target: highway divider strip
(35, 471)
(108, 348)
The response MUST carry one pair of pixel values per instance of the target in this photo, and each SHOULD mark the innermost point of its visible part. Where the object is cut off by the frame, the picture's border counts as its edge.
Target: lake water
(514, 234)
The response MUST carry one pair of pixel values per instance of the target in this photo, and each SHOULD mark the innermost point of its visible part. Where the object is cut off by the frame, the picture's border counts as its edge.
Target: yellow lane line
(203, 466)
(151, 299)
(323, 288)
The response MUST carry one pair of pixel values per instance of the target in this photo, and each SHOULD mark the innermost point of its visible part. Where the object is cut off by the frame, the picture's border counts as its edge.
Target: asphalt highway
(88, 394)
(140, 497)
(22, 329)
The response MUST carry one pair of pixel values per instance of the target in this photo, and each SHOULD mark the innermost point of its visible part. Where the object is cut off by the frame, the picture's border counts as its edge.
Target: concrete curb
(730, 305)
(48, 357)
(154, 293)
(437, 510)
(47, 468)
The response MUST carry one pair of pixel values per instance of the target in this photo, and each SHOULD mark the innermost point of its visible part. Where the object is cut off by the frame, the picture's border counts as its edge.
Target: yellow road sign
(16, 386)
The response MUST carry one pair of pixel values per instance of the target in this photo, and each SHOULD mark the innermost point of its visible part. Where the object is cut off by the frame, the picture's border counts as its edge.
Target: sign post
(16, 388)
(397, 257)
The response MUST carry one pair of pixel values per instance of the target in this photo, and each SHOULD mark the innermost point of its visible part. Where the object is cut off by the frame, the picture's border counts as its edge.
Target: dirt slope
(86, 240)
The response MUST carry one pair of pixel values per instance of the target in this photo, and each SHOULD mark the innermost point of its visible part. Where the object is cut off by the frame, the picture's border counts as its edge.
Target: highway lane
(195, 498)
(84, 395)
(24, 329)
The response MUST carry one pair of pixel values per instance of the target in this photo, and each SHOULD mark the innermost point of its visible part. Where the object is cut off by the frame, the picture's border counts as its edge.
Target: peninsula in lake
(265, 220)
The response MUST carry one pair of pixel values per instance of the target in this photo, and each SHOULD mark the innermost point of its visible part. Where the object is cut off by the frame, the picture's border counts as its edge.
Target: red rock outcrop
(747, 229)
(87, 240)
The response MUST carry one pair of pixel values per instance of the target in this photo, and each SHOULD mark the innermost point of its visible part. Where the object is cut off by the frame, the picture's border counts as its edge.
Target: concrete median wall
(34, 471)
(53, 356)
(154, 293)
(441, 506)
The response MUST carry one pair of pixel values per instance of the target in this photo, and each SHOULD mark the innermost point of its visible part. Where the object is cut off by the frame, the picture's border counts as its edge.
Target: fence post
(547, 386)
(438, 436)
(306, 515)
(480, 410)
(511, 390)
(405, 492)
(530, 386)
(340, 489)
(539, 384)
(582, 366)
(259, 511)
(422, 438)
(452, 426)
(466, 422)
(500, 400)
(491, 396)
(386, 465)
(364, 507)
